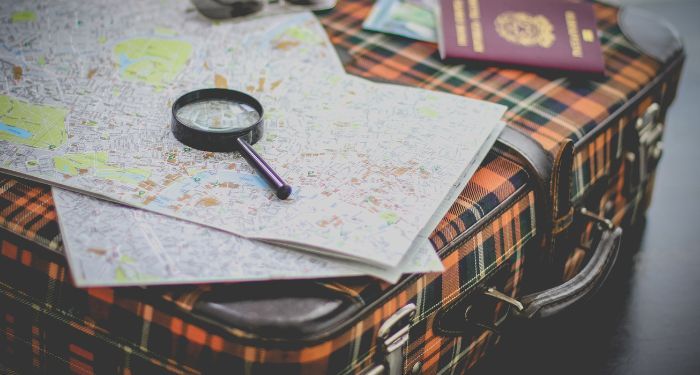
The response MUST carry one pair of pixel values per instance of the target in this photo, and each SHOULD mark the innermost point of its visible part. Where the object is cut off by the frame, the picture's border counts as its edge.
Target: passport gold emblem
(525, 29)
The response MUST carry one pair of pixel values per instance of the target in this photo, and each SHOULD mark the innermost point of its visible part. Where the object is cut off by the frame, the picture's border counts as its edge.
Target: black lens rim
(216, 141)
(216, 9)
(220, 10)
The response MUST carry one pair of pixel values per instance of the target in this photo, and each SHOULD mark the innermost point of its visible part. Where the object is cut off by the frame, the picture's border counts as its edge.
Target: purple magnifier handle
(239, 123)
(282, 190)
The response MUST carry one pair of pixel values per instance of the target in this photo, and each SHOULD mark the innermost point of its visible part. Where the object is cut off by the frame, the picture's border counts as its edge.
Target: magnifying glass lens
(222, 120)
(218, 115)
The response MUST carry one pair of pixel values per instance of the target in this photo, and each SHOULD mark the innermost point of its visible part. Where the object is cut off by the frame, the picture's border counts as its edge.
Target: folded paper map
(85, 104)
(121, 246)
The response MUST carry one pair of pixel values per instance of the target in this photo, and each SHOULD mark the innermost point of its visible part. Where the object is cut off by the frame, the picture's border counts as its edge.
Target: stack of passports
(543, 34)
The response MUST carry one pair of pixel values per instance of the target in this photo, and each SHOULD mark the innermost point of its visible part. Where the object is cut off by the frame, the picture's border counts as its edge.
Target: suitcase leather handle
(473, 313)
(552, 301)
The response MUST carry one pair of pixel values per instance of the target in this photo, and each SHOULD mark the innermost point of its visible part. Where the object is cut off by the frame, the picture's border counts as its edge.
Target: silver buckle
(391, 340)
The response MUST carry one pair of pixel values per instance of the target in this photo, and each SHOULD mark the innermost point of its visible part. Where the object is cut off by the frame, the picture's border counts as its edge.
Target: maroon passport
(549, 34)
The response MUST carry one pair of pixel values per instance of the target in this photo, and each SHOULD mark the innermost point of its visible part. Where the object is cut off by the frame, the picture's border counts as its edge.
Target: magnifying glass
(222, 120)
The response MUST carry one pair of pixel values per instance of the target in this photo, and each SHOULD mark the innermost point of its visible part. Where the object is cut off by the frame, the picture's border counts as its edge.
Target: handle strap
(552, 301)
(475, 312)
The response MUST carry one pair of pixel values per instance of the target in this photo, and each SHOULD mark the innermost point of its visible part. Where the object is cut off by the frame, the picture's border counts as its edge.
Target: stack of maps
(86, 90)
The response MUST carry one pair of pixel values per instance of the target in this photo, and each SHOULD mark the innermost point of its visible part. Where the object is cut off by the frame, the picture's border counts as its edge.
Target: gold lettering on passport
(460, 22)
(588, 35)
(477, 31)
(572, 29)
(474, 10)
(477, 36)
(525, 29)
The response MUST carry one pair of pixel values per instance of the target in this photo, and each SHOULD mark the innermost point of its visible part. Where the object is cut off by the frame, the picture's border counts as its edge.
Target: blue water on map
(17, 132)
(245, 178)
(226, 176)
(125, 62)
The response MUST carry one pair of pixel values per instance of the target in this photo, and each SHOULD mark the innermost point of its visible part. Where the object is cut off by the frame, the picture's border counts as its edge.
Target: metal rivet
(416, 368)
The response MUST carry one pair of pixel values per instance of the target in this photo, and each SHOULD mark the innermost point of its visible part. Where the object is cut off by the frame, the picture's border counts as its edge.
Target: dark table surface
(646, 320)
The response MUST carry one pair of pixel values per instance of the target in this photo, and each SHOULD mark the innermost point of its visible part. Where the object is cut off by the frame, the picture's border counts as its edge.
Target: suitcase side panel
(614, 169)
(133, 325)
(599, 152)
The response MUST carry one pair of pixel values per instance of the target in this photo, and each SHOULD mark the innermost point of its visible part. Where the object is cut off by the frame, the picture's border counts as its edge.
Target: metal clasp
(481, 321)
(392, 335)
(649, 130)
(597, 218)
(495, 293)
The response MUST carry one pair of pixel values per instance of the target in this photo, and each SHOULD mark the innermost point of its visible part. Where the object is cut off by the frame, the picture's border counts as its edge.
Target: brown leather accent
(564, 222)
(552, 179)
(538, 164)
(583, 285)
(560, 190)
(289, 310)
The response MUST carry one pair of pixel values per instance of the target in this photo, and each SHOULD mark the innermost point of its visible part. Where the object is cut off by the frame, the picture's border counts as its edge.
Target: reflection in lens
(217, 115)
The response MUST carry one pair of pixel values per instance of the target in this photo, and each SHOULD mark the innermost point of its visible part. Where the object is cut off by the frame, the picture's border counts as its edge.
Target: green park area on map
(97, 164)
(151, 60)
(32, 125)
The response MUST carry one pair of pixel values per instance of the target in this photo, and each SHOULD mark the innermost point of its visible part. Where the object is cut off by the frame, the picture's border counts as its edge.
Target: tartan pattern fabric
(46, 323)
(29, 212)
(622, 202)
(546, 109)
(45, 316)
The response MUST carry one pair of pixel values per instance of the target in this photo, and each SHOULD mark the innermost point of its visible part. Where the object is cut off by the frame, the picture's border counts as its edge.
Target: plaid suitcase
(545, 207)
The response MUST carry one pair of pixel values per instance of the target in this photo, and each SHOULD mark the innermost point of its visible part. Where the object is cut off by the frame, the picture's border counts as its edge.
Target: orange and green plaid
(545, 108)
(48, 325)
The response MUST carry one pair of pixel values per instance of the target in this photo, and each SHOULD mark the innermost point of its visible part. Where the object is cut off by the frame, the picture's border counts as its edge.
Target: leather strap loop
(538, 164)
(584, 284)
(552, 177)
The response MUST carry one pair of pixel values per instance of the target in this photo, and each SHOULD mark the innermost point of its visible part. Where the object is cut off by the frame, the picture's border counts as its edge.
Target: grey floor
(647, 320)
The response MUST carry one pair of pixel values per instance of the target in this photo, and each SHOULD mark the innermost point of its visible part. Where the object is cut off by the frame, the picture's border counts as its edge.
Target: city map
(85, 103)
(122, 246)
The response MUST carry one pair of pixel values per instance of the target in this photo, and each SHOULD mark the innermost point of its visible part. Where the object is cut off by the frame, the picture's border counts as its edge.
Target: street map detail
(86, 90)
(120, 246)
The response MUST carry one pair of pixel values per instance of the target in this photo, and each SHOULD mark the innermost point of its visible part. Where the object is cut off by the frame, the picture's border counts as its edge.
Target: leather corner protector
(653, 35)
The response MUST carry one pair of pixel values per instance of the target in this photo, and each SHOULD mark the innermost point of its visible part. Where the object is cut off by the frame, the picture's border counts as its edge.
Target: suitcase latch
(649, 130)
(392, 336)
